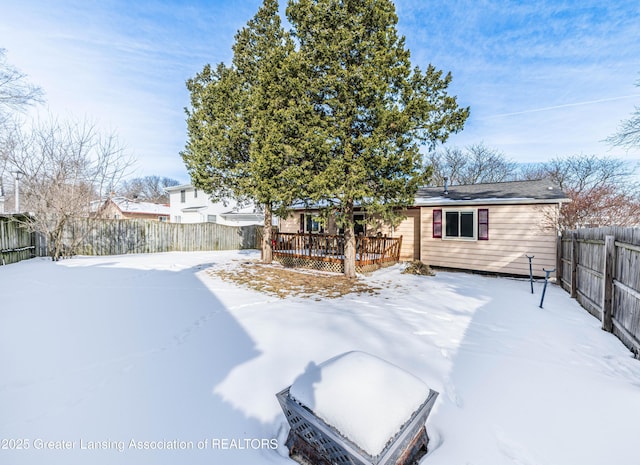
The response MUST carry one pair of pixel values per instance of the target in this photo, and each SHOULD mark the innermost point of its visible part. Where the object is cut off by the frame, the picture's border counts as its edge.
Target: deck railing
(330, 248)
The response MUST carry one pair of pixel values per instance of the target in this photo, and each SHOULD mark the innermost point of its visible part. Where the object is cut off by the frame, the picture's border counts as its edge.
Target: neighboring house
(124, 208)
(480, 227)
(190, 205)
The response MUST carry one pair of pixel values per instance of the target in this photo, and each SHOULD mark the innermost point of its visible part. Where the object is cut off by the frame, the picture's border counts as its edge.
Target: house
(124, 208)
(190, 205)
(481, 227)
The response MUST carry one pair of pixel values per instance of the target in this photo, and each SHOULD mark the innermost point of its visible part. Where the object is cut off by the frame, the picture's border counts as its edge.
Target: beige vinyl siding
(409, 229)
(110, 211)
(291, 224)
(514, 231)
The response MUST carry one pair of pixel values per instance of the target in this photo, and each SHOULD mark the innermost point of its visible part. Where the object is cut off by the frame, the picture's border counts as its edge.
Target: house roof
(538, 191)
(193, 209)
(178, 188)
(510, 192)
(246, 213)
(131, 206)
(235, 216)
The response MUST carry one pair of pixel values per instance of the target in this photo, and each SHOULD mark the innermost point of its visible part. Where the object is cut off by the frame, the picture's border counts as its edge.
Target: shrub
(418, 268)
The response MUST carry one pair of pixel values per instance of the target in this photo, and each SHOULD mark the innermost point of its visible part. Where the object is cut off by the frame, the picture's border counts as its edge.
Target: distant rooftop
(131, 206)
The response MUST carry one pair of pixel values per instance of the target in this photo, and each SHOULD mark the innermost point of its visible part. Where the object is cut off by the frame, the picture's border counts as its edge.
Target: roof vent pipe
(446, 185)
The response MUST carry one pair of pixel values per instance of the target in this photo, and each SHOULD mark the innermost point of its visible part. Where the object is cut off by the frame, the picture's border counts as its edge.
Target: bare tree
(473, 165)
(16, 93)
(600, 206)
(628, 135)
(64, 166)
(603, 190)
(148, 188)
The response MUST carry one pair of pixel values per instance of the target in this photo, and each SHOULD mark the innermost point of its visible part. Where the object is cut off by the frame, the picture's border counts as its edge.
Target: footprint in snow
(517, 453)
(452, 394)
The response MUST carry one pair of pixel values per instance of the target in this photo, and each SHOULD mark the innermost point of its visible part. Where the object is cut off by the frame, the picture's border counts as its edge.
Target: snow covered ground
(149, 359)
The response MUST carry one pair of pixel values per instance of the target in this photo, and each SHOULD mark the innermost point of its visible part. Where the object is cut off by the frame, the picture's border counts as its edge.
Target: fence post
(574, 265)
(609, 266)
(559, 273)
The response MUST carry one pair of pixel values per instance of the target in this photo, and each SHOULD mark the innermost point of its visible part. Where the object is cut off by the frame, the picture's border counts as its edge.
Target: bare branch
(603, 190)
(148, 188)
(65, 166)
(628, 135)
(15, 91)
(473, 165)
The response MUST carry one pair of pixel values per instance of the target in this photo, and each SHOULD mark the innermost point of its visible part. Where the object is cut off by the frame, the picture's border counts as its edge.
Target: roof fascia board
(441, 202)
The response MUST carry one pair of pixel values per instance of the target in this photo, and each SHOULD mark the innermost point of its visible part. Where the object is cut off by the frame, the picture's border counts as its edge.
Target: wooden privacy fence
(114, 237)
(600, 267)
(299, 249)
(16, 242)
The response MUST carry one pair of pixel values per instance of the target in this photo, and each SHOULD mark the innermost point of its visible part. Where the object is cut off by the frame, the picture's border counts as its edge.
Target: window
(483, 224)
(163, 219)
(211, 218)
(177, 219)
(461, 224)
(359, 226)
(195, 193)
(310, 224)
(437, 223)
(183, 196)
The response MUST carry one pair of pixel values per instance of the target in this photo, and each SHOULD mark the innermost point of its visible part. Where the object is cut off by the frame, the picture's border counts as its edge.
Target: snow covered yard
(151, 359)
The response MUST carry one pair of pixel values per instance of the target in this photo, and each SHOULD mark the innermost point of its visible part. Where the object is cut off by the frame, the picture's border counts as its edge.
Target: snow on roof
(247, 212)
(365, 398)
(131, 206)
(178, 188)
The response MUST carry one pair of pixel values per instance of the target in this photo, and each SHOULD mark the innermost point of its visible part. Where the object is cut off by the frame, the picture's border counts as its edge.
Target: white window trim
(314, 219)
(458, 238)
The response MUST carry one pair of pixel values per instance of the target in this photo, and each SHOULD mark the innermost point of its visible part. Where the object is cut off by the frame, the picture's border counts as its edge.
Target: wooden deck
(325, 251)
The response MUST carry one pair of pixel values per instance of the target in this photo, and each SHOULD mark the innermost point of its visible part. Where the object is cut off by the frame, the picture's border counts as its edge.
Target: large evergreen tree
(374, 109)
(245, 127)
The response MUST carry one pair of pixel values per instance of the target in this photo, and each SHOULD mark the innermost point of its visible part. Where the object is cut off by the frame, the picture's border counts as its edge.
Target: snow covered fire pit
(357, 409)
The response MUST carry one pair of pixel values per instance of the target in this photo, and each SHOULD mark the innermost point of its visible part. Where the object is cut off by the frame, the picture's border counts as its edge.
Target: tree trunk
(267, 245)
(55, 239)
(349, 243)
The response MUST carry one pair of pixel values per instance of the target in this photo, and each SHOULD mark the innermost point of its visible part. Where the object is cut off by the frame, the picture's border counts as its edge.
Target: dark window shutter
(437, 223)
(483, 224)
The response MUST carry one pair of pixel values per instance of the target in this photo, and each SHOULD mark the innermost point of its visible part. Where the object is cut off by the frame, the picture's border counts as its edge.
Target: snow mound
(365, 398)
